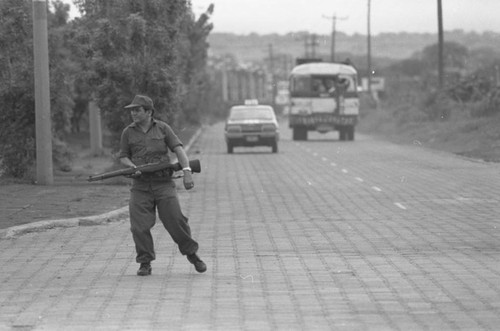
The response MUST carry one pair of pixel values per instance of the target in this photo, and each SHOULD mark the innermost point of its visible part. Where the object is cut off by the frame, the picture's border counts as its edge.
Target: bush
(487, 106)
(18, 157)
(62, 156)
(438, 106)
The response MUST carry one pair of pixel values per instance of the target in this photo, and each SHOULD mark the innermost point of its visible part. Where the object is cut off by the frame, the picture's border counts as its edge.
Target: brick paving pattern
(325, 235)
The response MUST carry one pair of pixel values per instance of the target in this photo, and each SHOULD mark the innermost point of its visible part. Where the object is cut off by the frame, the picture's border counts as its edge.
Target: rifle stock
(147, 168)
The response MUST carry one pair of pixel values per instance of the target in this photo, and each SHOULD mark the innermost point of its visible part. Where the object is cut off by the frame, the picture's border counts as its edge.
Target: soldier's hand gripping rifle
(147, 168)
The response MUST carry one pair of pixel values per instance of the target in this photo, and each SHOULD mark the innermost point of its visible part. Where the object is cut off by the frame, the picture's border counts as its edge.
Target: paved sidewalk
(279, 256)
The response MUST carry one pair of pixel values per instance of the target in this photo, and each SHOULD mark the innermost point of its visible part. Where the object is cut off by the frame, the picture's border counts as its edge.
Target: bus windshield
(321, 85)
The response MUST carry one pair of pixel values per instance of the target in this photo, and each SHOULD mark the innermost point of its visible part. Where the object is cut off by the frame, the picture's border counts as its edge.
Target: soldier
(148, 140)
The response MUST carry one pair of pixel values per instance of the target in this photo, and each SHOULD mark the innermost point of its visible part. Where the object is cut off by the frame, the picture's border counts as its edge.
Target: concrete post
(225, 93)
(95, 129)
(44, 167)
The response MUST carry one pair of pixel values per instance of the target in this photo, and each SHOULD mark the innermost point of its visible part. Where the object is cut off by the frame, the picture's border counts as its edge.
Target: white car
(252, 125)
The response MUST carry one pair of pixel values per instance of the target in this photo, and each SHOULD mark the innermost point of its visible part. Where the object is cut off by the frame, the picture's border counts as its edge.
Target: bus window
(300, 86)
(318, 86)
(348, 83)
(321, 85)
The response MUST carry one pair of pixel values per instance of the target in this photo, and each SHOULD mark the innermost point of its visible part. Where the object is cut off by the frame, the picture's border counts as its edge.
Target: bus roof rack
(323, 68)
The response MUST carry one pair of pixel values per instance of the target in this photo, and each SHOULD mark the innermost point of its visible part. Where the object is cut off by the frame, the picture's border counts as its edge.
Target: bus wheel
(350, 133)
(342, 134)
(300, 133)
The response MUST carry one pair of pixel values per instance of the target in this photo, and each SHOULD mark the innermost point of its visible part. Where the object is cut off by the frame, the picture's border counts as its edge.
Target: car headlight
(233, 128)
(268, 128)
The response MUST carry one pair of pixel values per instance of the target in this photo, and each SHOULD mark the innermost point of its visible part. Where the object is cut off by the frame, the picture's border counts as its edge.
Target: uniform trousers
(147, 196)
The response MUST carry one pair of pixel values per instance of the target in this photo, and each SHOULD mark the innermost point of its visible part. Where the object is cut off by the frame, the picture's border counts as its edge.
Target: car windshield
(251, 113)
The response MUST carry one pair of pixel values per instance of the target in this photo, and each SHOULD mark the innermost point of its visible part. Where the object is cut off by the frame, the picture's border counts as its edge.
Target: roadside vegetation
(462, 117)
(116, 49)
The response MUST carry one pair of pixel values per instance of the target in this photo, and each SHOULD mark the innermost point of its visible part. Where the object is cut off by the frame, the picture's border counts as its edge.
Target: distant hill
(388, 46)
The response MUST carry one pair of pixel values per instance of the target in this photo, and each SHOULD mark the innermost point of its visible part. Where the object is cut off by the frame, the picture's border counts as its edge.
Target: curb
(15, 231)
(112, 216)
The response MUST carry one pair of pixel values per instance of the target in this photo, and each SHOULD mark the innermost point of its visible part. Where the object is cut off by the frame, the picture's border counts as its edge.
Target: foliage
(17, 115)
(116, 50)
(469, 88)
(149, 47)
(408, 67)
(196, 77)
(487, 106)
(412, 82)
(455, 55)
(438, 106)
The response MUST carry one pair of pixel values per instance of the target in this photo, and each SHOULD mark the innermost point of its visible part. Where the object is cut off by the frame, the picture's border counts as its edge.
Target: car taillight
(268, 127)
(233, 128)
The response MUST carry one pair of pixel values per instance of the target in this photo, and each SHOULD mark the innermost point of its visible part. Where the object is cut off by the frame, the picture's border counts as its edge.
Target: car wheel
(275, 147)
(229, 148)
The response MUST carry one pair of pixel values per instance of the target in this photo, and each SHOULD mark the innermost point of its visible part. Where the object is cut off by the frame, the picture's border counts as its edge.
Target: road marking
(359, 179)
(245, 277)
(400, 205)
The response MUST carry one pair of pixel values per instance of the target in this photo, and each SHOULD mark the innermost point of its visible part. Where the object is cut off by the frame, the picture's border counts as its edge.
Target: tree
(455, 55)
(17, 113)
(408, 67)
(137, 47)
(195, 76)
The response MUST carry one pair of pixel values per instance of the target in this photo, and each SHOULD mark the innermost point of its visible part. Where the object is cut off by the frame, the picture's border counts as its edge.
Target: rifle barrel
(146, 168)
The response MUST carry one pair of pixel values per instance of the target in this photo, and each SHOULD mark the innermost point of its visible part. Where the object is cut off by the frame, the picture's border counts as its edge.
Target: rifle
(146, 168)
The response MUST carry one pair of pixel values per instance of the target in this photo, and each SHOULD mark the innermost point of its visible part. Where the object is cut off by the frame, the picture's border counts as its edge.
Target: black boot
(144, 270)
(199, 265)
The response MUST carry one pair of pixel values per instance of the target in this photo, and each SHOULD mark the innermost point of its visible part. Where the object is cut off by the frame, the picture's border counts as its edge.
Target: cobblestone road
(324, 235)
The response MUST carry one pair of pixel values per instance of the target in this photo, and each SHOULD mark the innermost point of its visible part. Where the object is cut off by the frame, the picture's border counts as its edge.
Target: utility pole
(369, 49)
(440, 44)
(334, 19)
(225, 94)
(44, 173)
(273, 78)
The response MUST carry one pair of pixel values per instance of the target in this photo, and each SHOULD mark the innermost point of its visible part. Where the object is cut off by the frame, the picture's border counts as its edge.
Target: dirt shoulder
(477, 138)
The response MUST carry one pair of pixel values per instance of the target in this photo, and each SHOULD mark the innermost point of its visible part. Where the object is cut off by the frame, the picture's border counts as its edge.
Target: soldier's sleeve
(124, 145)
(171, 138)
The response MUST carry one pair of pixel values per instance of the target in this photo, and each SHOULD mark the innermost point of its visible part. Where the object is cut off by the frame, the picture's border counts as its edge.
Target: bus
(323, 98)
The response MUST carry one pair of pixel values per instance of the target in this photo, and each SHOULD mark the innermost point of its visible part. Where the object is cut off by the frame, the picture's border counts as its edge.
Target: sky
(316, 16)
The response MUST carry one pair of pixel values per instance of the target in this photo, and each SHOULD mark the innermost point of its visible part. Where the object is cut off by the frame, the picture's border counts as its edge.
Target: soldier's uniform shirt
(148, 147)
